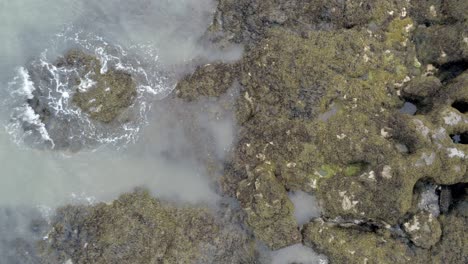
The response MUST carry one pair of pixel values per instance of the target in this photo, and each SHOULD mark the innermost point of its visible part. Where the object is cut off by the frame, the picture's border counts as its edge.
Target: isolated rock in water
(137, 228)
(101, 95)
(78, 100)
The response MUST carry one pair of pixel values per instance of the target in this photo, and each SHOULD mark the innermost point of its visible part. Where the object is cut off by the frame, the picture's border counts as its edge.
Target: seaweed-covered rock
(319, 110)
(210, 80)
(438, 240)
(441, 44)
(246, 20)
(137, 228)
(101, 95)
(453, 247)
(351, 245)
(269, 210)
(422, 89)
(76, 101)
(423, 229)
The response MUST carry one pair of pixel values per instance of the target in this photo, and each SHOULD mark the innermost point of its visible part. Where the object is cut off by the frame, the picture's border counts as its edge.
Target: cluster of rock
(322, 85)
(137, 228)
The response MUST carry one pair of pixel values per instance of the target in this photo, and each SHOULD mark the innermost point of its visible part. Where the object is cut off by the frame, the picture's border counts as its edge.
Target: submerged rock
(137, 228)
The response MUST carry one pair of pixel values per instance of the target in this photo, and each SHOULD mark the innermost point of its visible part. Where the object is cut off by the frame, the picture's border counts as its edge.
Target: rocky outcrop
(77, 100)
(268, 208)
(351, 245)
(320, 105)
(246, 20)
(321, 85)
(106, 94)
(137, 228)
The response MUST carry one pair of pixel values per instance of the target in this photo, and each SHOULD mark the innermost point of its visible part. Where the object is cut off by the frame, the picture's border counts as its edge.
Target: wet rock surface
(351, 245)
(423, 229)
(268, 208)
(321, 85)
(319, 105)
(103, 96)
(77, 84)
(137, 228)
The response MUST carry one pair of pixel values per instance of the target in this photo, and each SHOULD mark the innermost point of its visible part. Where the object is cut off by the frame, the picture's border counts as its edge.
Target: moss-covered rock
(357, 245)
(439, 11)
(442, 44)
(210, 80)
(423, 229)
(321, 108)
(102, 95)
(269, 210)
(246, 20)
(349, 245)
(453, 247)
(137, 228)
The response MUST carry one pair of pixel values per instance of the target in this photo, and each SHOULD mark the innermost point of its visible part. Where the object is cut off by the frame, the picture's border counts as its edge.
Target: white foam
(29, 117)
(27, 86)
(86, 83)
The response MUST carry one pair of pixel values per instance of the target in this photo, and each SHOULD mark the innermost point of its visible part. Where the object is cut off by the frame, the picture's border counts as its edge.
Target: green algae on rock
(423, 229)
(319, 111)
(433, 242)
(353, 246)
(101, 95)
(137, 228)
(269, 210)
(442, 44)
(247, 20)
(288, 80)
(210, 80)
